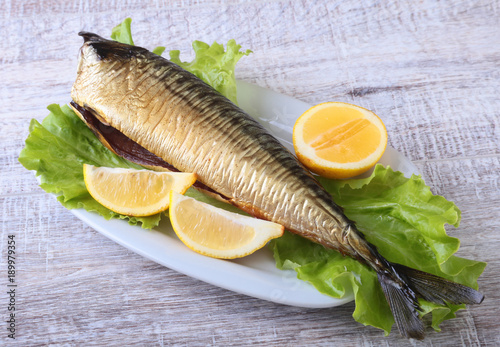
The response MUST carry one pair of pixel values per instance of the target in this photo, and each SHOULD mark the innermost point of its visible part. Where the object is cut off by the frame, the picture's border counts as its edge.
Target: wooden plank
(429, 69)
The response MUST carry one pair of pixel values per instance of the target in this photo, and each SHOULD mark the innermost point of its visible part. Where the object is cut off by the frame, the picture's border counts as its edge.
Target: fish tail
(402, 286)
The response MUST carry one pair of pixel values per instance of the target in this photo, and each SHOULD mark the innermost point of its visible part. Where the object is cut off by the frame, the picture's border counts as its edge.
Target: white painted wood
(430, 69)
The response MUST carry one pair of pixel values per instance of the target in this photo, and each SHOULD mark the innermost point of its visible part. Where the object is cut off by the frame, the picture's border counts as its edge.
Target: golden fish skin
(182, 120)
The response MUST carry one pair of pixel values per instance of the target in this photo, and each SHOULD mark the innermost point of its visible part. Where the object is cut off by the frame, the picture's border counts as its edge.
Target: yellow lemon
(216, 232)
(134, 192)
(339, 140)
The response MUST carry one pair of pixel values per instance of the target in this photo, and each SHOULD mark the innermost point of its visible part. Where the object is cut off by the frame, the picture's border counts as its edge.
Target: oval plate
(255, 275)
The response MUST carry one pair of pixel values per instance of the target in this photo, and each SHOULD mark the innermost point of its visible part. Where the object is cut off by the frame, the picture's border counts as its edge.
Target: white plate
(255, 275)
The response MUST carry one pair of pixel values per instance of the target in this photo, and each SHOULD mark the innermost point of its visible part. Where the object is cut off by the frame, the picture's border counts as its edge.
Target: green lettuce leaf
(122, 32)
(406, 222)
(214, 65)
(57, 149)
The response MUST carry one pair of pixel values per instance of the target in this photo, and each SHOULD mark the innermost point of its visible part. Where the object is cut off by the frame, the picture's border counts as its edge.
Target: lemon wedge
(134, 192)
(218, 233)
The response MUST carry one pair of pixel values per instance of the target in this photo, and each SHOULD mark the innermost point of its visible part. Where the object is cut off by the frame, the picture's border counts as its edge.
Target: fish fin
(439, 290)
(403, 302)
(402, 286)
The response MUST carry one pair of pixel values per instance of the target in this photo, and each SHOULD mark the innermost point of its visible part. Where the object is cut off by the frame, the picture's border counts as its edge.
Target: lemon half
(339, 140)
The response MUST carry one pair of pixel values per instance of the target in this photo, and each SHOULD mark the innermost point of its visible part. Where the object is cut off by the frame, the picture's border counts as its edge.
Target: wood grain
(430, 69)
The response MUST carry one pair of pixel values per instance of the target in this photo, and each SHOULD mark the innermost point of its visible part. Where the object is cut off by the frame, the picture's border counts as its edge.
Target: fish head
(87, 54)
(97, 62)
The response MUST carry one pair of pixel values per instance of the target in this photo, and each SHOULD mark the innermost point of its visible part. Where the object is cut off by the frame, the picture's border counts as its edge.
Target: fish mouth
(123, 146)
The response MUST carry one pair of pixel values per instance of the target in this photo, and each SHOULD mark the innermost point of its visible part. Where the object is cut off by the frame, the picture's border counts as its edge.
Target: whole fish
(151, 111)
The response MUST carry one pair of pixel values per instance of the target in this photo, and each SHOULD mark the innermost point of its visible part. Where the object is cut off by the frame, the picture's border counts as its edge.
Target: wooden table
(430, 69)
